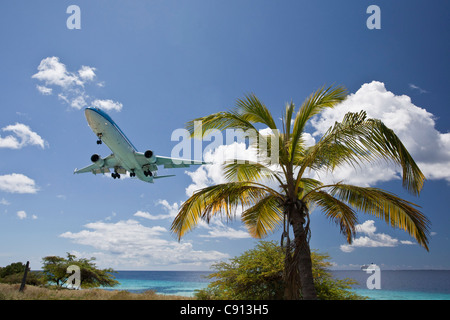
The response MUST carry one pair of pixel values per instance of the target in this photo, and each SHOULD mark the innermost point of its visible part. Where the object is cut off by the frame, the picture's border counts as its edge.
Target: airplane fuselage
(108, 132)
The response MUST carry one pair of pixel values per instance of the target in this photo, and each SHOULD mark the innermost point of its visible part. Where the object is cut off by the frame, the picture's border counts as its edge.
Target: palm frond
(390, 145)
(306, 185)
(357, 139)
(397, 212)
(200, 127)
(287, 119)
(254, 111)
(313, 105)
(263, 217)
(221, 199)
(336, 210)
(249, 171)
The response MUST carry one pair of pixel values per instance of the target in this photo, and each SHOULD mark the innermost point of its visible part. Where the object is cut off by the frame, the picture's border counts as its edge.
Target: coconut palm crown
(355, 140)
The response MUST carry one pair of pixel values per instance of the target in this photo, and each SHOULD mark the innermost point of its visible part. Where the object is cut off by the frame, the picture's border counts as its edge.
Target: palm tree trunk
(302, 256)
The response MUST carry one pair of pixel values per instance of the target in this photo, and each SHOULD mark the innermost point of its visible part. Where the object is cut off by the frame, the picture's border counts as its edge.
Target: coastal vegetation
(50, 283)
(282, 194)
(257, 274)
(55, 271)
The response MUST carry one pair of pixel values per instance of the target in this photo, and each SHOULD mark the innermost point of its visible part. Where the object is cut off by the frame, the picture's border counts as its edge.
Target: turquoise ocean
(395, 284)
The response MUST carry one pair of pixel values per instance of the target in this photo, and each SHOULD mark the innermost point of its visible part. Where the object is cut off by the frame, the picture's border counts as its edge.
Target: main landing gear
(132, 173)
(115, 175)
(148, 173)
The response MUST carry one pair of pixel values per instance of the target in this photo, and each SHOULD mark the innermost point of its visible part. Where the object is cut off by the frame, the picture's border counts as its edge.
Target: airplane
(125, 157)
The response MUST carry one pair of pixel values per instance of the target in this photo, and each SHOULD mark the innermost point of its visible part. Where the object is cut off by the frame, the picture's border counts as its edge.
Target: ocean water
(395, 285)
(402, 284)
(181, 283)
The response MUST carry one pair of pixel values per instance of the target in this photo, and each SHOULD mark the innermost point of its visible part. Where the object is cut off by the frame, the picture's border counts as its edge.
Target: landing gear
(132, 173)
(115, 175)
(99, 141)
(148, 173)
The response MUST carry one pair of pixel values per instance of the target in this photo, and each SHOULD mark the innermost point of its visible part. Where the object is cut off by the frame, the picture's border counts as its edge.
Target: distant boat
(365, 266)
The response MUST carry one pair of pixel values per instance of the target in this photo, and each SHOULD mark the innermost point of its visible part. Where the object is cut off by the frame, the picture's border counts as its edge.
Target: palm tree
(354, 140)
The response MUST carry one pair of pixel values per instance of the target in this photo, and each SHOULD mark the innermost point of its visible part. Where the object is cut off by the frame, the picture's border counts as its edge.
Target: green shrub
(257, 274)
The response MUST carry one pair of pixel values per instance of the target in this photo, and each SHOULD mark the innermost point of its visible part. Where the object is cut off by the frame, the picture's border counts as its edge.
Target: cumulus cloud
(414, 125)
(44, 90)
(107, 105)
(170, 209)
(87, 73)
(24, 136)
(210, 174)
(53, 72)
(17, 183)
(217, 229)
(78, 102)
(371, 238)
(71, 86)
(126, 241)
(21, 214)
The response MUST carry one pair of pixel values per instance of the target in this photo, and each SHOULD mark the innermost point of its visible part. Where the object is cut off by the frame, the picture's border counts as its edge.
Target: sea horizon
(417, 284)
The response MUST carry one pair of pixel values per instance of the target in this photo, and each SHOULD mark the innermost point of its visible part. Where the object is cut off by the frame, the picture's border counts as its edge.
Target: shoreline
(11, 292)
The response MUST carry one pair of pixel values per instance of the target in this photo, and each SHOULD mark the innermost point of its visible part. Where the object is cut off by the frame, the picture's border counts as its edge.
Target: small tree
(13, 268)
(257, 274)
(55, 271)
(13, 273)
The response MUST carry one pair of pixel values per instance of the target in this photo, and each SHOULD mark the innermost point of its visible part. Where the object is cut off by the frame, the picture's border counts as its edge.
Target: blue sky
(154, 65)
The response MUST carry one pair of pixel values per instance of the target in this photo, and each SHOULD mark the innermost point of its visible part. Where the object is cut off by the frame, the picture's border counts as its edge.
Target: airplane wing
(166, 161)
(108, 163)
(167, 176)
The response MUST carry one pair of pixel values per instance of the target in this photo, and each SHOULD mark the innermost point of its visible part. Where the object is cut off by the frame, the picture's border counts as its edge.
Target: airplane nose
(87, 114)
(90, 116)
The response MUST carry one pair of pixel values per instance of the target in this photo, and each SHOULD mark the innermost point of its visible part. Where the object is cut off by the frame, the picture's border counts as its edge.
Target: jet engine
(95, 158)
(150, 155)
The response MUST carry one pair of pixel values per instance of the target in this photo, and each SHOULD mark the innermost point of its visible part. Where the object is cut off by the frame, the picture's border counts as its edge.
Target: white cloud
(371, 238)
(21, 214)
(17, 183)
(107, 105)
(171, 209)
(132, 244)
(216, 229)
(414, 125)
(414, 87)
(71, 85)
(4, 202)
(44, 90)
(78, 102)
(87, 73)
(24, 137)
(210, 174)
(53, 72)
